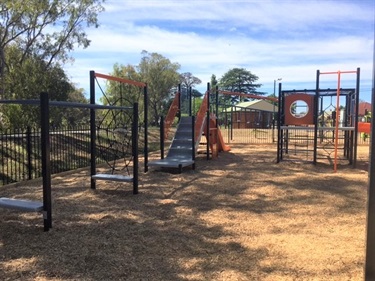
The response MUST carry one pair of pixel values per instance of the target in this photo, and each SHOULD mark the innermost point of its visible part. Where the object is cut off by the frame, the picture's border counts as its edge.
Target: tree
(187, 81)
(122, 94)
(214, 81)
(161, 77)
(27, 81)
(213, 85)
(240, 80)
(197, 101)
(48, 29)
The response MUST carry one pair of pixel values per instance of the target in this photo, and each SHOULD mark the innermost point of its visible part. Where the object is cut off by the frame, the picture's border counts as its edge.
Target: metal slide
(181, 152)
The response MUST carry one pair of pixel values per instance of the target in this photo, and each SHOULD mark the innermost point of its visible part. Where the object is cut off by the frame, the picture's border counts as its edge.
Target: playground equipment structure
(116, 125)
(313, 125)
(129, 114)
(188, 134)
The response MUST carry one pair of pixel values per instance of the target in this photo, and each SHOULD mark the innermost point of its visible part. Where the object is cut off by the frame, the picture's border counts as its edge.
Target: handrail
(201, 118)
(173, 109)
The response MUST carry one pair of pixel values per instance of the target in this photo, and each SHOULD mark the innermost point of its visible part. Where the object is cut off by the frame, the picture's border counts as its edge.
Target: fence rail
(264, 136)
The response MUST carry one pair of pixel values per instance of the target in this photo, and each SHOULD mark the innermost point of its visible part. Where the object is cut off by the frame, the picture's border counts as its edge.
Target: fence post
(29, 152)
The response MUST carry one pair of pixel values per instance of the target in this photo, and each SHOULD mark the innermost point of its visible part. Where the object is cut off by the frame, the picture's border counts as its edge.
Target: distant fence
(250, 136)
(264, 136)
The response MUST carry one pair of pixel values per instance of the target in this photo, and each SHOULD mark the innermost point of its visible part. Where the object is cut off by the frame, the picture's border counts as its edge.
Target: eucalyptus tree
(161, 76)
(122, 94)
(27, 81)
(36, 38)
(48, 29)
(187, 81)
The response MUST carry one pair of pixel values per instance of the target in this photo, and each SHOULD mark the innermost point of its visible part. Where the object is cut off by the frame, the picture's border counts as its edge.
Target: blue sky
(288, 39)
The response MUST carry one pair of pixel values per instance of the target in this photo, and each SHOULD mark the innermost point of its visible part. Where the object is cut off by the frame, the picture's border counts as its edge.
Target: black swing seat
(21, 205)
(110, 177)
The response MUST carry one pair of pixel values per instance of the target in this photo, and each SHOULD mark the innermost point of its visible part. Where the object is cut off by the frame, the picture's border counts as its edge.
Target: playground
(240, 216)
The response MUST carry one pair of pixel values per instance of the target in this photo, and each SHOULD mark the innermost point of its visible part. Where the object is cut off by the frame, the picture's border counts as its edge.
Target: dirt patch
(238, 217)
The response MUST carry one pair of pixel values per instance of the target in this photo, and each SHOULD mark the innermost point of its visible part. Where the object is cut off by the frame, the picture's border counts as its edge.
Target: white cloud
(270, 38)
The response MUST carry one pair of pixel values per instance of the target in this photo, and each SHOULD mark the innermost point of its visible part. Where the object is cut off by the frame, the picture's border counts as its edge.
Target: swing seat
(109, 177)
(21, 205)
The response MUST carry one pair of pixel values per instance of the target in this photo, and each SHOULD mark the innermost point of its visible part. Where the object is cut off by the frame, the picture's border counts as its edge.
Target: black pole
(217, 113)
(208, 135)
(135, 148)
(46, 165)
(231, 122)
(316, 113)
(217, 101)
(356, 118)
(189, 97)
(161, 137)
(193, 140)
(145, 101)
(279, 134)
(92, 129)
(370, 244)
(179, 102)
(208, 122)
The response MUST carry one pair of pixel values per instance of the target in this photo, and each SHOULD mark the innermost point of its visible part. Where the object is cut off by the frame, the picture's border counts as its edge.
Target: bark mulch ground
(238, 217)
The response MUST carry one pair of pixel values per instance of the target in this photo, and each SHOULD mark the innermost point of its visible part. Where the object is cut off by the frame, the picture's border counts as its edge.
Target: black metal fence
(20, 153)
(264, 136)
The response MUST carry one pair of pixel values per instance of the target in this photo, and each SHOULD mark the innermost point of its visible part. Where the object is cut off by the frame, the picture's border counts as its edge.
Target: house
(363, 109)
(250, 114)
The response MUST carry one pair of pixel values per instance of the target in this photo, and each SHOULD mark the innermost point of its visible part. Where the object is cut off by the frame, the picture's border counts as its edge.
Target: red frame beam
(122, 80)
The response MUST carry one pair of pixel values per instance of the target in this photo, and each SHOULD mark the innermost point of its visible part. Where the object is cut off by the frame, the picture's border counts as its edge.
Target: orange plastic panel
(364, 127)
(308, 119)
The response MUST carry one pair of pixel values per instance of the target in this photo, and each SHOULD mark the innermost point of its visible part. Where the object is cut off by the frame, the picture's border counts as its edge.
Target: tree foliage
(35, 37)
(188, 81)
(122, 94)
(49, 29)
(30, 79)
(239, 80)
(161, 76)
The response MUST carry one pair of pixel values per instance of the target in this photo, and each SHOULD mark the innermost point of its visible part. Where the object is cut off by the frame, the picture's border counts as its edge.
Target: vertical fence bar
(29, 152)
(2, 158)
(20, 155)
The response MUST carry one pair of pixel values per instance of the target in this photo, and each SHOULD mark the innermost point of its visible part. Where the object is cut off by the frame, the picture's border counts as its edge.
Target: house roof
(362, 107)
(261, 105)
